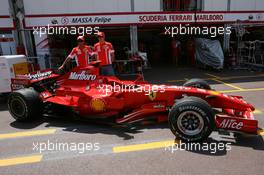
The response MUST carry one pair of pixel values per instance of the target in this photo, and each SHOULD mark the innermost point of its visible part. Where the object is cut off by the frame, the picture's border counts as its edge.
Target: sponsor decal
(81, 76)
(250, 17)
(180, 17)
(192, 108)
(152, 95)
(259, 17)
(156, 18)
(214, 93)
(180, 87)
(159, 106)
(209, 17)
(201, 90)
(39, 75)
(97, 104)
(65, 20)
(231, 124)
(54, 21)
(83, 20)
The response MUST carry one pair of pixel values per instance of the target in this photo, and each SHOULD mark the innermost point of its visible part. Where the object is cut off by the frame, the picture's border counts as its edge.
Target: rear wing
(24, 81)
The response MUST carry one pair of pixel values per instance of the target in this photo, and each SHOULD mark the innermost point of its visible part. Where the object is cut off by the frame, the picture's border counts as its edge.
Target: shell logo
(97, 104)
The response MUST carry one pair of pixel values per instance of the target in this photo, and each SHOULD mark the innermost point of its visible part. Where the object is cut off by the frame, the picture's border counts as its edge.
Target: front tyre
(191, 119)
(24, 104)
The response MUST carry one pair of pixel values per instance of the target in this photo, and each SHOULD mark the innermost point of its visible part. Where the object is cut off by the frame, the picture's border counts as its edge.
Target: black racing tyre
(197, 83)
(24, 104)
(191, 119)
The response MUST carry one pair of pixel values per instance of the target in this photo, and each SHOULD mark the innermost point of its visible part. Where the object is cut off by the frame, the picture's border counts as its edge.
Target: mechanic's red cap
(100, 34)
(80, 38)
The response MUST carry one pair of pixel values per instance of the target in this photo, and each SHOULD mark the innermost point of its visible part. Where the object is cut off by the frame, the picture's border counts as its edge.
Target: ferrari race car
(193, 110)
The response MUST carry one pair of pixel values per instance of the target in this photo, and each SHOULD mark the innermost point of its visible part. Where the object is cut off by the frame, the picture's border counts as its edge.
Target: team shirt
(104, 51)
(81, 55)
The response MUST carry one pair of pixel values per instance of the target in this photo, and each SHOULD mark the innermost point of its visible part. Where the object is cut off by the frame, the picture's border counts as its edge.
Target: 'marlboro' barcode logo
(39, 75)
(81, 76)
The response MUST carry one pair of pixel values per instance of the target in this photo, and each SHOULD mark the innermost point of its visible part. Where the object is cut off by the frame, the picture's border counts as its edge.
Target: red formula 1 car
(193, 110)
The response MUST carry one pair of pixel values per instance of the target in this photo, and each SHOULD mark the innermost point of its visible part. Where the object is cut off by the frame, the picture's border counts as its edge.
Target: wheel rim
(17, 107)
(190, 123)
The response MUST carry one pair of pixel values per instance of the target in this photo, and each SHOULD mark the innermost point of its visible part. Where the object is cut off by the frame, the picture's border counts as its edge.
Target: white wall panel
(75, 6)
(242, 5)
(147, 5)
(101, 6)
(259, 4)
(4, 7)
(215, 5)
(237, 5)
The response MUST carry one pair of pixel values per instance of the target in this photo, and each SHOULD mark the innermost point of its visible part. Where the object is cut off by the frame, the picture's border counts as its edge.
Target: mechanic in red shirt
(81, 53)
(105, 53)
(176, 51)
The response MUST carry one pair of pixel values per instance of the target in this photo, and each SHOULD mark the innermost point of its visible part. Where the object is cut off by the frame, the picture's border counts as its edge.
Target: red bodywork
(92, 95)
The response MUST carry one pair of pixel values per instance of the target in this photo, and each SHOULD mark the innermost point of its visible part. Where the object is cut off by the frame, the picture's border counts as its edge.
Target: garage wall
(6, 21)
(247, 4)
(4, 8)
(147, 5)
(259, 5)
(95, 6)
(215, 5)
(75, 6)
(235, 5)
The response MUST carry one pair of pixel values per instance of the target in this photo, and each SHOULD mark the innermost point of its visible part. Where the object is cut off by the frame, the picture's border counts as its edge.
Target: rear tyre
(197, 83)
(191, 119)
(25, 104)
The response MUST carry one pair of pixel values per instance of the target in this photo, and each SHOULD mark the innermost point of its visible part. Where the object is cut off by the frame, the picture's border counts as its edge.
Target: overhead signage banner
(142, 18)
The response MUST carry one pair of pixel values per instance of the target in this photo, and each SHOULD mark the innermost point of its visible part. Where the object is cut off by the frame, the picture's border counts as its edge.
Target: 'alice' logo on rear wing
(81, 76)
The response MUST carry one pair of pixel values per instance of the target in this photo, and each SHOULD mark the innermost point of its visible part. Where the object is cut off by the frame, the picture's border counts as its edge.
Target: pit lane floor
(145, 150)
